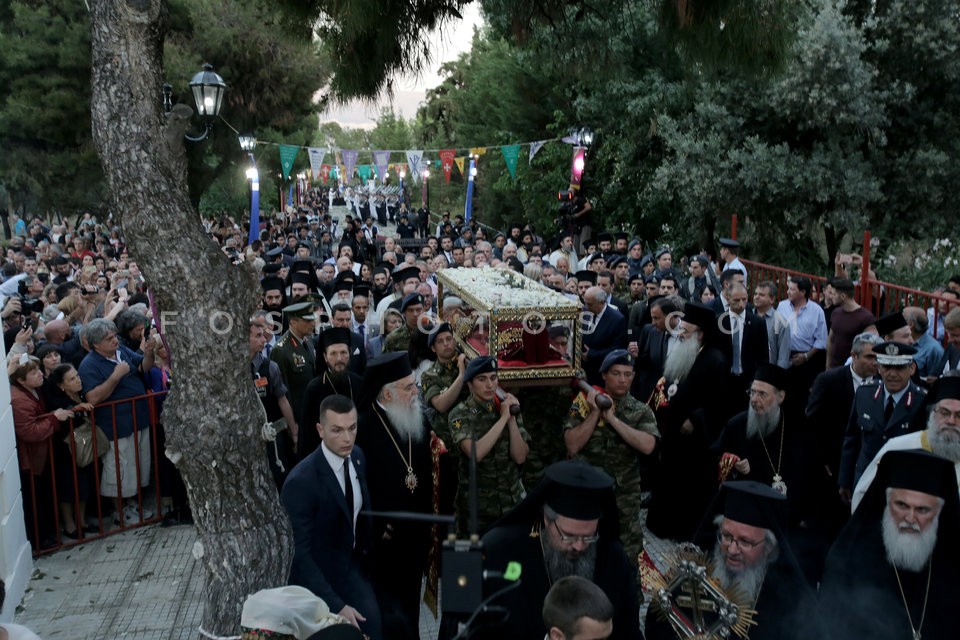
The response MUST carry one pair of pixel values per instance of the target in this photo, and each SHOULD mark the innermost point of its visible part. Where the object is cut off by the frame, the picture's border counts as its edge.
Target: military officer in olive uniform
(611, 438)
(483, 421)
(443, 386)
(412, 309)
(295, 352)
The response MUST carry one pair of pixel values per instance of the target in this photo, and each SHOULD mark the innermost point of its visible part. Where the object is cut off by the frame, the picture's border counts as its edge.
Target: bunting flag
(381, 159)
(447, 157)
(288, 153)
(534, 147)
(325, 172)
(478, 151)
(364, 171)
(511, 153)
(349, 162)
(415, 161)
(459, 162)
(316, 160)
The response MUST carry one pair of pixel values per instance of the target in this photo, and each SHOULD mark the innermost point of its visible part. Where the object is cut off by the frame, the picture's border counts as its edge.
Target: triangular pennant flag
(415, 160)
(349, 162)
(511, 153)
(534, 147)
(364, 171)
(316, 160)
(478, 151)
(459, 162)
(446, 162)
(381, 159)
(288, 153)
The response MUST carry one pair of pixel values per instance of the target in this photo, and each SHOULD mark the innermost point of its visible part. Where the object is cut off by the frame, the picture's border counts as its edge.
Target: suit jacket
(753, 349)
(951, 356)
(828, 411)
(867, 432)
(325, 558)
(610, 333)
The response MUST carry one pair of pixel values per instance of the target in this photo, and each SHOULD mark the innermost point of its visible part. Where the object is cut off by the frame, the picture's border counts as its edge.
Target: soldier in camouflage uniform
(611, 439)
(621, 278)
(442, 384)
(399, 338)
(501, 445)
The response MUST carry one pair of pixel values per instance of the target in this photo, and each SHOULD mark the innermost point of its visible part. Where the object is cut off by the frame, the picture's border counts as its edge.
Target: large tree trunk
(212, 417)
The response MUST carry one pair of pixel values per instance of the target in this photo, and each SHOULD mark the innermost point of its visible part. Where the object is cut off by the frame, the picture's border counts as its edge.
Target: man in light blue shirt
(808, 334)
(929, 351)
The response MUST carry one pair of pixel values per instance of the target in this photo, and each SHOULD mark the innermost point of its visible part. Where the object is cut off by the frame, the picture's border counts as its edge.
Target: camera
(28, 305)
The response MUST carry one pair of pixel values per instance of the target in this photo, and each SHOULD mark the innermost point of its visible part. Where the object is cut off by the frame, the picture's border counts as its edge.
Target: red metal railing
(759, 272)
(107, 524)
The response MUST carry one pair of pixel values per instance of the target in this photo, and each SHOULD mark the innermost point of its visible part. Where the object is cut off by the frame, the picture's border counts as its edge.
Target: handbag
(83, 441)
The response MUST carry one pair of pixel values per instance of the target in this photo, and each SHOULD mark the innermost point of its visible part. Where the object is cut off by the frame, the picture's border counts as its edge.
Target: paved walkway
(141, 584)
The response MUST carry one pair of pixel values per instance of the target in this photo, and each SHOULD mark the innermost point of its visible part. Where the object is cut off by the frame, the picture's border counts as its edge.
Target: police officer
(295, 354)
(412, 309)
(483, 422)
(880, 412)
(611, 438)
(273, 394)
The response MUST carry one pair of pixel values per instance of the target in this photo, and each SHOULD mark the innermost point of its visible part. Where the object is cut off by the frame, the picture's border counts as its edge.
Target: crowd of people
(747, 419)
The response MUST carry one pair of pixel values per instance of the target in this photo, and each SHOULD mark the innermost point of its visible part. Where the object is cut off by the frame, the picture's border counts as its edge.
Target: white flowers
(505, 288)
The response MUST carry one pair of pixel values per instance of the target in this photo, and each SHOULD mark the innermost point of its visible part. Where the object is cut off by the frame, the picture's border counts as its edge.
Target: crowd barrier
(43, 496)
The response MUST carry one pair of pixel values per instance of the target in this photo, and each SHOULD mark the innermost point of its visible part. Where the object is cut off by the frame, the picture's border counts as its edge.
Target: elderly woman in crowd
(35, 427)
(389, 321)
(64, 390)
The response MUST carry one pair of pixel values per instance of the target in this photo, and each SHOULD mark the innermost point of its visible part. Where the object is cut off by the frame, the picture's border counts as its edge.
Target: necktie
(348, 488)
(362, 329)
(737, 369)
(888, 411)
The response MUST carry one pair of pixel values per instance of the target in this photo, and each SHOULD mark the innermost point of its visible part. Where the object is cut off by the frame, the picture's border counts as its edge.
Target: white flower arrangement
(507, 288)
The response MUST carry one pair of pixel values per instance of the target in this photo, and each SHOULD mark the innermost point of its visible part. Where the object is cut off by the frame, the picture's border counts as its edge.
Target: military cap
(412, 298)
(645, 260)
(651, 278)
(636, 276)
(302, 310)
(661, 251)
(273, 253)
(443, 327)
(633, 243)
(894, 354)
(729, 243)
(614, 261)
(480, 364)
(615, 357)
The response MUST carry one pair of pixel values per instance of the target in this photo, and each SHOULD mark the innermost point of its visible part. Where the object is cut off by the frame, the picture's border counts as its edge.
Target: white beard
(945, 443)
(762, 424)
(408, 421)
(747, 582)
(680, 360)
(909, 551)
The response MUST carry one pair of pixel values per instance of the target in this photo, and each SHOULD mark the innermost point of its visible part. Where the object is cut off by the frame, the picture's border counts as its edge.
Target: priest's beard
(680, 359)
(905, 550)
(762, 424)
(748, 582)
(944, 441)
(560, 565)
(407, 420)
(337, 377)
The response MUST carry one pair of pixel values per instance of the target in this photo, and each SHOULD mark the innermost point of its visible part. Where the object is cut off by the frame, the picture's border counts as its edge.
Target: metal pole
(733, 227)
(866, 288)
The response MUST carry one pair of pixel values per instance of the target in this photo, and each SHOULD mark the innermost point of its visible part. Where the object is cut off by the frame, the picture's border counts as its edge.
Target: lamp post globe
(208, 88)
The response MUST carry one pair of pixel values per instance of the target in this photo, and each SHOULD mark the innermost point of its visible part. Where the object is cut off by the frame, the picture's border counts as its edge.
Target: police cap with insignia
(634, 243)
(894, 354)
(274, 253)
(480, 364)
(772, 375)
(443, 327)
(729, 243)
(651, 278)
(334, 335)
(636, 276)
(302, 310)
(645, 260)
(661, 251)
(755, 504)
(587, 276)
(615, 357)
(412, 298)
(614, 261)
(596, 256)
(889, 323)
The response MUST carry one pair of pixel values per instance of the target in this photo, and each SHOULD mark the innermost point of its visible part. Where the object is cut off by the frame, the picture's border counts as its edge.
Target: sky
(409, 91)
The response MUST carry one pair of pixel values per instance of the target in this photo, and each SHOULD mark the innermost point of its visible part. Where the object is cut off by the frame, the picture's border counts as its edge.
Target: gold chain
(923, 612)
(783, 430)
(409, 464)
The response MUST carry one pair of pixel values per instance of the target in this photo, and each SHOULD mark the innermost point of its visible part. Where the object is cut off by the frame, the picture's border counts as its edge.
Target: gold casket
(513, 317)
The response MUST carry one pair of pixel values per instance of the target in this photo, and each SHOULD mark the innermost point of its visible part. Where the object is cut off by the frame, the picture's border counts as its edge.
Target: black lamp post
(208, 88)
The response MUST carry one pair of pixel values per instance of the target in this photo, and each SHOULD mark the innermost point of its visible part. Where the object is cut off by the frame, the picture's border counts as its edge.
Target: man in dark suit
(880, 412)
(828, 411)
(605, 329)
(745, 345)
(951, 355)
(652, 346)
(324, 496)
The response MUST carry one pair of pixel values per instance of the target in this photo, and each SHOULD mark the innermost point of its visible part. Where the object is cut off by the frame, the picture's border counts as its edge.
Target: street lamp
(208, 88)
(248, 143)
(425, 195)
(582, 136)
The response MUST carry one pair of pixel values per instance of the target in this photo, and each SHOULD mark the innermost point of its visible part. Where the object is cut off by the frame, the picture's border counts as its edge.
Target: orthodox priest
(892, 573)
(334, 378)
(752, 562)
(402, 478)
(688, 402)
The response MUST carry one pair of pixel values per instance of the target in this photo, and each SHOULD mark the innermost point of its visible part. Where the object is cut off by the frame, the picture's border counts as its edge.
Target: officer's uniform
(270, 388)
(295, 357)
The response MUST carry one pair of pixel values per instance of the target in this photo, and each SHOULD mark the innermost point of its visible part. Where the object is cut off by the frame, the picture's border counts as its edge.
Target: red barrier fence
(65, 490)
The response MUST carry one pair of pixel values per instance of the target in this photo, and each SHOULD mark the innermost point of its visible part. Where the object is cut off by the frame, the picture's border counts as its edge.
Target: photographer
(575, 217)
